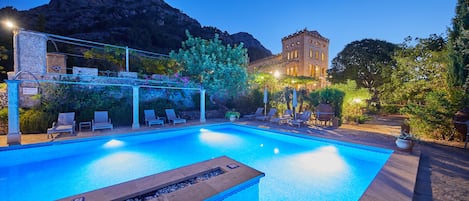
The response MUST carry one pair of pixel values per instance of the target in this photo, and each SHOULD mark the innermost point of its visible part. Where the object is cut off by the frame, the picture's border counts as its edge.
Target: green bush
(331, 96)
(35, 121)
(390, 109)
(249, 103)
(4, 120)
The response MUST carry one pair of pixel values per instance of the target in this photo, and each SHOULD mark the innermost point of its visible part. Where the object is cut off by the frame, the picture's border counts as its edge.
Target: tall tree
(421, 68)
(420, 83)
(364, 61)
(459, 46)
(220, 69)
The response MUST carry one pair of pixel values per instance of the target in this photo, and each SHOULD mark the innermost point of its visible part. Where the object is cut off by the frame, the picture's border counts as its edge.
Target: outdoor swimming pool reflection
(295, 168)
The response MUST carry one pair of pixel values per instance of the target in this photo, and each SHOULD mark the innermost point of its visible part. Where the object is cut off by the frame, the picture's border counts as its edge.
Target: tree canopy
(420, 69)
(459, 46)
(365, 61)
(220, 69)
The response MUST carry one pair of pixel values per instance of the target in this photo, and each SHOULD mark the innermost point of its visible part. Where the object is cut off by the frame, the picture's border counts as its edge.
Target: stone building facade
(304, 53)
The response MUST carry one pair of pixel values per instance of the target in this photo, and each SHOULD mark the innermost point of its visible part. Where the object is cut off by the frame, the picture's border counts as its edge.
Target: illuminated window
(288, 55)
(296, 53)
(310, 53)
(322, 56)
(311, 70)
(317, 54)
(288, 71)
(316, 71)
(296, 70)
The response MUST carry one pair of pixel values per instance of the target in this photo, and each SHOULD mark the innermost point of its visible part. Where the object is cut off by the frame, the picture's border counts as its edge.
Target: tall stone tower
(306, 54)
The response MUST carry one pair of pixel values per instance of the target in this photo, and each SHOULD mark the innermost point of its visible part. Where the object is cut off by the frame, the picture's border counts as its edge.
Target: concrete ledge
(396, 180)
(200, 191)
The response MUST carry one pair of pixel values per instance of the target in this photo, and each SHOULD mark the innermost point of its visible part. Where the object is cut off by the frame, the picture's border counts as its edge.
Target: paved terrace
(441, 173)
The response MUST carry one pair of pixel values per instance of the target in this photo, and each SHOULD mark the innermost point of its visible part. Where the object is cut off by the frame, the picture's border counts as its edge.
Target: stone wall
(3, 98)
(56, 63)
(30, 52)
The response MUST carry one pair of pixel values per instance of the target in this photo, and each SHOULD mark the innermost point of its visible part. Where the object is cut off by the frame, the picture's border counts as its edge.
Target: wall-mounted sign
(29, 91)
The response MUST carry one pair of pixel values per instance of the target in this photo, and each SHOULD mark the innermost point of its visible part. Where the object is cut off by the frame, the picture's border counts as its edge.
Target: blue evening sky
(342, 21)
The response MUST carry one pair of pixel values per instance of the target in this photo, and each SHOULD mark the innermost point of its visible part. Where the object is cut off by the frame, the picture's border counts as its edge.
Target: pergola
(14, 133)
(30, 58)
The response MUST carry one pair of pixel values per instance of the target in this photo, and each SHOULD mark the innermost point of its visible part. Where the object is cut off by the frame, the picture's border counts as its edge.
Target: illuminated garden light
(9, 24)
(276, 74)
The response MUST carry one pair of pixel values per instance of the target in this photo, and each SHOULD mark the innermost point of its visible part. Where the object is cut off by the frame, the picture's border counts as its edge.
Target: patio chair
(65, 124)
(287, 115)
(151, 119)
(303, 120)
(325, 113)
(171, 116)
(272, 112)
(258, 113)
(101, 121)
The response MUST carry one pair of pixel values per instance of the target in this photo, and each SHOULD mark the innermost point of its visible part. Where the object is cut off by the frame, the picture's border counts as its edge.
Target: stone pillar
(135, 124)
(14, 134)
(30, 51)
(126, 59)
(202, 106)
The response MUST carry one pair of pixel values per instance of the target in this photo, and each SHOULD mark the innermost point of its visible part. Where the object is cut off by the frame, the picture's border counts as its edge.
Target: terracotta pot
(404, 144)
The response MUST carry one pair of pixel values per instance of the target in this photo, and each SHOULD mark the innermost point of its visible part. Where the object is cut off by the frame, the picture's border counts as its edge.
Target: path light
(9, 24)
(357, 100)
(276, 74)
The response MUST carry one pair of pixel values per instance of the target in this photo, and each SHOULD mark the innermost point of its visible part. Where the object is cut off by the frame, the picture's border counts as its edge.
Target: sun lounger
(272, 112)
(303, 120)
(65, 124)
(287, 115)
(101, 121)
(152, 119)
(171, 115)
(258, 113)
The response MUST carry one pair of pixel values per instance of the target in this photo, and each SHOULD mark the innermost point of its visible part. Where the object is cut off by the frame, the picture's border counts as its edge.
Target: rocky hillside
(150, 25)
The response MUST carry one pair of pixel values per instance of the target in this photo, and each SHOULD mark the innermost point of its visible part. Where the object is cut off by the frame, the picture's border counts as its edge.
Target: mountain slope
(151, 25)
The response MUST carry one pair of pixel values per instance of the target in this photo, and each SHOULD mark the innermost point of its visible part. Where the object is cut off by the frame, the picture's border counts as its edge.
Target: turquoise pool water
(296, 168)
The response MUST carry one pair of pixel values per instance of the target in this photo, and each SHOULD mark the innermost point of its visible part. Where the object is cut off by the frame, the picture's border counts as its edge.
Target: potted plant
(405, 141)
(232, 115)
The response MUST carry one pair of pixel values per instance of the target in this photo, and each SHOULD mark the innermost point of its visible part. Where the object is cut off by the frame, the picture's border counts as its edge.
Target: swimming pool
(295, 167)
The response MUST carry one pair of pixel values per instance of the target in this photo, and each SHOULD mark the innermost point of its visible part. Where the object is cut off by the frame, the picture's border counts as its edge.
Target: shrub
(331, 96)
(4, 120)
(36, 121)
(249, 103)
(390, 109)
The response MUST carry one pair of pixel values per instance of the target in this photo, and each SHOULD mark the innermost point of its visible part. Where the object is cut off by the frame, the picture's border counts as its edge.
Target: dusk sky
(341, 21)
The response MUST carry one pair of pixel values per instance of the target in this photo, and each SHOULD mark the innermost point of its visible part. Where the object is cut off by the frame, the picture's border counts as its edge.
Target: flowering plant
(228, 114)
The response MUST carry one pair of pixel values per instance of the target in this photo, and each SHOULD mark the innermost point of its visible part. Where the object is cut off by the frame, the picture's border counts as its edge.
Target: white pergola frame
(14, 133)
